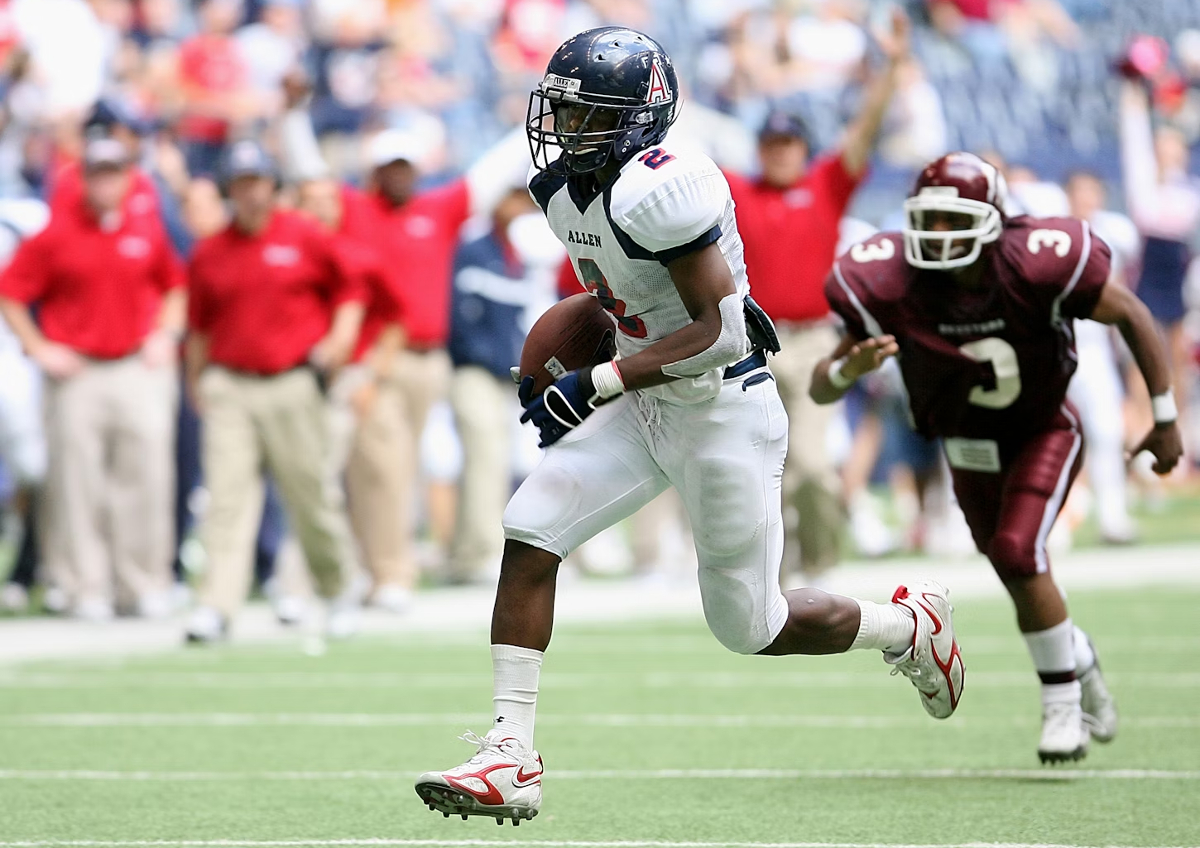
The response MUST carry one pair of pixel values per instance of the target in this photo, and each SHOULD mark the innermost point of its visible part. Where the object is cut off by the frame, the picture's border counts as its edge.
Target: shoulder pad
(663, 201)
(1046, 250)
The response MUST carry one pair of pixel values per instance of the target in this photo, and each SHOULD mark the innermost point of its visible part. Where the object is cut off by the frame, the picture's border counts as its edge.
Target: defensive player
(689, 404)
(978, 307)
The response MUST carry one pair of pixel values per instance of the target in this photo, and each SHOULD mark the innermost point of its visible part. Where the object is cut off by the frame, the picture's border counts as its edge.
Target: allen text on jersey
(588, 239)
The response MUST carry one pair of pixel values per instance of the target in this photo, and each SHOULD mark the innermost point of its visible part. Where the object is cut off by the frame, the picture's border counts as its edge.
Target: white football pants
(725, 458)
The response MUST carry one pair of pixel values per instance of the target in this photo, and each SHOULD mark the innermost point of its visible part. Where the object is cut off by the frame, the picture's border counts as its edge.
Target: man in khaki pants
(369, 433)
(110, 310)
(273, 309)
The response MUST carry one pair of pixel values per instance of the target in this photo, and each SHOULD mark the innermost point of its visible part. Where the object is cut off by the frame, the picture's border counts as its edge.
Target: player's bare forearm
(1118, 306)
(172, 317)
(835, 374)
(703, 280)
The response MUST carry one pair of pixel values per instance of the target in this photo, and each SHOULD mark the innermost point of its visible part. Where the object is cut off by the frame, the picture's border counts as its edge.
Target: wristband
(836, 378)
(606, 380)
(1164, 408)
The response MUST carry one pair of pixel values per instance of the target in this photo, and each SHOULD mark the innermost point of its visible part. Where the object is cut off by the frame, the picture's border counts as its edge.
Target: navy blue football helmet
(608, 93)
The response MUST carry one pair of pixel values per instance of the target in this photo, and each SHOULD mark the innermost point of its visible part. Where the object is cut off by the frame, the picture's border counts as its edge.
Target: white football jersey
(661, 206)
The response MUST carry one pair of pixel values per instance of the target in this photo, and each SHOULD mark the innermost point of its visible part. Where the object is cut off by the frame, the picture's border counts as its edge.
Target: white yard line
(1051, 776)
(513, 843)
(646, 720)
(110, 679)
(463, 613)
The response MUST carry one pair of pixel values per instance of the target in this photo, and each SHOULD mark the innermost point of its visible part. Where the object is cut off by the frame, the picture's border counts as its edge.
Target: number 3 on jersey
(595, 282)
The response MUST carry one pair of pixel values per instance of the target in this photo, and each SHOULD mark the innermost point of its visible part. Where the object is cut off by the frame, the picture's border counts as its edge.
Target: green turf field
(651, 734)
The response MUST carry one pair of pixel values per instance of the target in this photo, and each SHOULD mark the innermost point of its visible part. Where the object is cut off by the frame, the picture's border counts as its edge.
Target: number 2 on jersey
(1003, 357)
(596, 283)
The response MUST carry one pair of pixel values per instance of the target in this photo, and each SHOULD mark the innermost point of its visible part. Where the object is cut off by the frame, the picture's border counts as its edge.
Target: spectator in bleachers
(217, 96)
(368, 431)
(273, 47)
(349, 40)
(1163, 199)
(914, 129)
(273, 310)
(109, 293)
(789, 219)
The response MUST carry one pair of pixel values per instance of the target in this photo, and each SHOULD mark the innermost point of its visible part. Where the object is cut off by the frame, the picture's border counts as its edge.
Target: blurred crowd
(355, 414)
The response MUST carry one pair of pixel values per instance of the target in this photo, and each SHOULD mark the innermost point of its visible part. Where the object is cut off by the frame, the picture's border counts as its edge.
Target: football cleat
(503, 780)
(1099, 706)
(933, 663)
(1064, 734)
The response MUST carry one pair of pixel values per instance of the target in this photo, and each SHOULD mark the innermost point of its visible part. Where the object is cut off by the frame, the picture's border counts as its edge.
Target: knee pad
(744, 615)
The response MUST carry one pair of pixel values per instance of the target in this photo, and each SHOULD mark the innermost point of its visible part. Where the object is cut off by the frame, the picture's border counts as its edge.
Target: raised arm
(863, 132)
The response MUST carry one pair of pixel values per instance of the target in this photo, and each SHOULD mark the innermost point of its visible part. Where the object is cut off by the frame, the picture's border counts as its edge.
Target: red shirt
(265, 299)
(383, 301)
(791, 236)
(97, 292)
(214, 65)
(418, 241)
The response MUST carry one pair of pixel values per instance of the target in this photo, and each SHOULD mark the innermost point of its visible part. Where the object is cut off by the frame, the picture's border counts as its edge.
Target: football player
(689, 403)
(979, 307)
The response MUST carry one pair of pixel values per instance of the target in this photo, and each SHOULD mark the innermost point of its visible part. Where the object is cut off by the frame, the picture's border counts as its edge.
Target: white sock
(884, 627)
(515, 673)
(1053, 653)
(1061, 693)
(1085, 657)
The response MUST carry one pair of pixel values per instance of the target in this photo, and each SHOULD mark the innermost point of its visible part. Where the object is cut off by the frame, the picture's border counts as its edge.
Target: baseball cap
(394, 146)
(247, 158)
(104, 152)
(784, 124)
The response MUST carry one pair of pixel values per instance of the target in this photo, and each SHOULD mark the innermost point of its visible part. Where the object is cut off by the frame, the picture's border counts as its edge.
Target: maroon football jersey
(992, 363)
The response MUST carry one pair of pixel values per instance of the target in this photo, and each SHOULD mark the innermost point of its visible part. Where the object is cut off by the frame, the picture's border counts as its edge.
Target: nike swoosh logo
(523, 779)
(937, 622)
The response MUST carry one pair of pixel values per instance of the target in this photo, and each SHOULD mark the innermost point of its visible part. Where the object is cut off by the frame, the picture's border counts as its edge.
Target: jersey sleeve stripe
(543, 186)
(701, 241)
(1084, 252)
(869, 323)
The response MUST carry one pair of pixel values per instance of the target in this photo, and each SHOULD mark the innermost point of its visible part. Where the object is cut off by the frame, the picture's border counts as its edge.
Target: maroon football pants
(1010, 513)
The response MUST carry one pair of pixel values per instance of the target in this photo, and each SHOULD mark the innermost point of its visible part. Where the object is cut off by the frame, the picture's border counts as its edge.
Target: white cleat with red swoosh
(503, 780)
(933, 663)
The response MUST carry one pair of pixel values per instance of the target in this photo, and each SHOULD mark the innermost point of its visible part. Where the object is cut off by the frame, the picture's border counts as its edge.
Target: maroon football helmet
(964, 188)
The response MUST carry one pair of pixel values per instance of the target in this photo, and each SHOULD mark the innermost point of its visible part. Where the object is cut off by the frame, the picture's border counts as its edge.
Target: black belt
(758, 359)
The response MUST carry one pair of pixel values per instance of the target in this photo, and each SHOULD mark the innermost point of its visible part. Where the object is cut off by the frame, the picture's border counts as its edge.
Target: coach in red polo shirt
(109, 295)
(788, 218)
(272, 309)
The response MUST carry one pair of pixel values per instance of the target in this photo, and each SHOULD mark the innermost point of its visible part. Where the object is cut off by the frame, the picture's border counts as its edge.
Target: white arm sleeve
(301, 154)
(500, 169)
(1138, 165)
(730, 346)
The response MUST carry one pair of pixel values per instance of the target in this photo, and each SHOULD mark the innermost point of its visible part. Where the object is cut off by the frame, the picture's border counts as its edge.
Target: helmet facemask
(946, 249)
(575, 132)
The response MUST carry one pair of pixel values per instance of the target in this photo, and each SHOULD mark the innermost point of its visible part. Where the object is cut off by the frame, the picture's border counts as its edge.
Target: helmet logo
(565, 86)
(660, 91)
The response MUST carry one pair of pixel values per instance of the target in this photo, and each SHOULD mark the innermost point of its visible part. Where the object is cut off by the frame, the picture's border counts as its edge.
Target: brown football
(573, 333)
